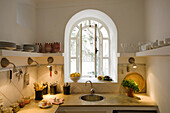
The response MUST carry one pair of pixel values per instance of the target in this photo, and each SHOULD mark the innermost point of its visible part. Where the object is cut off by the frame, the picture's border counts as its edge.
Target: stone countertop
(33, 107)
(73, 100)
(110, 100)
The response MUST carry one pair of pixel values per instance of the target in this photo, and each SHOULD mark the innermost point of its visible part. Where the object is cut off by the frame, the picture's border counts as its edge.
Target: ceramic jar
(56, 47)
(48, 47)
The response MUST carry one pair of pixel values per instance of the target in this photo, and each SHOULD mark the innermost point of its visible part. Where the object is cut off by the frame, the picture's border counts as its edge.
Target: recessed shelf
(27, 54)
(162, 51)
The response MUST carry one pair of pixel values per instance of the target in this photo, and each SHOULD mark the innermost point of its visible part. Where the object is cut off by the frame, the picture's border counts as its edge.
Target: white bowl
(74, 79)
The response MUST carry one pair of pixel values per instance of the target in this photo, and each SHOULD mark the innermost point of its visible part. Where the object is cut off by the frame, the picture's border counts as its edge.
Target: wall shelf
(162, 51)
(6, 53)
(126, 54)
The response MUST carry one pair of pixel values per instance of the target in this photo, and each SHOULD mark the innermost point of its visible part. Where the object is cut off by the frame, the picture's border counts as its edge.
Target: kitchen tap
(91, 90)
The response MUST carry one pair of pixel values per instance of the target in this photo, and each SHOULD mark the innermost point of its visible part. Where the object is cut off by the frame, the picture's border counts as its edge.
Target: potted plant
(131, 86)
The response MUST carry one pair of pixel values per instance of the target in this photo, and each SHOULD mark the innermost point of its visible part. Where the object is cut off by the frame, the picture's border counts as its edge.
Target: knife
(10, 75)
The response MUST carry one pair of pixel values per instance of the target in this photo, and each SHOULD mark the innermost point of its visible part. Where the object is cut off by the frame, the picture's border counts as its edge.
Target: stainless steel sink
(90, 97)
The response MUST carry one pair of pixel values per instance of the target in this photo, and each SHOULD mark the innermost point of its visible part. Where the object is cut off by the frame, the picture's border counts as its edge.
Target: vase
(130, 92)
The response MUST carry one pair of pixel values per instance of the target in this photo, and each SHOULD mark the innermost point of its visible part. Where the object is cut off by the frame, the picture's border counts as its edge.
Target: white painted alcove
(91, 13)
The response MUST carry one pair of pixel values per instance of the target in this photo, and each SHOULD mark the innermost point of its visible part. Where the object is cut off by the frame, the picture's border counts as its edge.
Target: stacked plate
(19, 48)
(28, 47)
(31, 48)
(7, 45)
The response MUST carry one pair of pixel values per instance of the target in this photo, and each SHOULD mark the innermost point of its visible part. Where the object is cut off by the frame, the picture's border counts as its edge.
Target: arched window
(90, 48)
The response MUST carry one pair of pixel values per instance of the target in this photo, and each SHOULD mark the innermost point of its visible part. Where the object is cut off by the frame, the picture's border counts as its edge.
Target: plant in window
(131, 85)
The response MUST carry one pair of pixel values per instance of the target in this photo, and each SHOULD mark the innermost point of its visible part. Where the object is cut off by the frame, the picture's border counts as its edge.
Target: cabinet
(107, 109)
(133, 111)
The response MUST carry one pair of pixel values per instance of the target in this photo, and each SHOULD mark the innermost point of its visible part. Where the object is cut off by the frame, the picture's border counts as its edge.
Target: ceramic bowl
(74, 79)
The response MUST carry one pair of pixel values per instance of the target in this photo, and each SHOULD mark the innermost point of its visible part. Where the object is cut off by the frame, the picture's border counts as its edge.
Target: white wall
(10, 30)
(22, 32)
(158, 28)
(53, 16)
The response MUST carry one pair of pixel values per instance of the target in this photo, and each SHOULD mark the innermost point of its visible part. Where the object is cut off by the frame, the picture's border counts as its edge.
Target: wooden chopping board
(138, 79)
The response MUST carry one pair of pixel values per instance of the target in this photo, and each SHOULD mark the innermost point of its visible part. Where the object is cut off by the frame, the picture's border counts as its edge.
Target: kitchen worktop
(33, 107)
(110, 100)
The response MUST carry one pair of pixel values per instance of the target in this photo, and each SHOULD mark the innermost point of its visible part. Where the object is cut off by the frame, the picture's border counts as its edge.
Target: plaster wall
(157, 28)
(53, 15)
(18, 21)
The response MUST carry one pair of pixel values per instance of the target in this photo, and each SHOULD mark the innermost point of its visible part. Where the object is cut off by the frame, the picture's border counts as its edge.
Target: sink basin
(93, 97)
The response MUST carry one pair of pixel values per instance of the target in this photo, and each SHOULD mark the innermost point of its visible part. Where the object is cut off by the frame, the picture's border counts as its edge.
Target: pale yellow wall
(158, 76)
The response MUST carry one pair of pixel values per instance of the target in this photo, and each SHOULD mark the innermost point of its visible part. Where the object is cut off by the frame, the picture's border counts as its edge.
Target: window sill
(93, 80)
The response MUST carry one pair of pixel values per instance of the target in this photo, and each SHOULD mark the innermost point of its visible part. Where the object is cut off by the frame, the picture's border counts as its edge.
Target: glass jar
(15, 107)
(7, 110)
(21, 103)
(27, 99)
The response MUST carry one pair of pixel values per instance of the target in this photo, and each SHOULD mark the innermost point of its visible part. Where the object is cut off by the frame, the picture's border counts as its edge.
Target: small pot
(130, 92)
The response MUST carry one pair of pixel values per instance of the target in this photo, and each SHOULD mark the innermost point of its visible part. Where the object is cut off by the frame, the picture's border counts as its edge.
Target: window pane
(105, 48)
(88, 68)
(73, 65)
(73, 48)
(84, 23)
(88, 52)
(74, 32)
(105, 67)
(104, 32)
(93, 22)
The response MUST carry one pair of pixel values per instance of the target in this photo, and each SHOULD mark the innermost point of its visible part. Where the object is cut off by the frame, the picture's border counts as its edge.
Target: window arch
(90, 24)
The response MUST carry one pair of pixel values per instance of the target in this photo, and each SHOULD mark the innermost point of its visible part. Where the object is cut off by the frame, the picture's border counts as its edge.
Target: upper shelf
(126, 54)
(162, 51)
(27, 54)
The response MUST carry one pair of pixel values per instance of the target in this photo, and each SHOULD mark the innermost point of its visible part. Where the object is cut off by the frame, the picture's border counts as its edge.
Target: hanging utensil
(50, 59)
(26, 77)
(55, 72)
(5, 62)
(50, 71)
(30, 61)
(10, 75)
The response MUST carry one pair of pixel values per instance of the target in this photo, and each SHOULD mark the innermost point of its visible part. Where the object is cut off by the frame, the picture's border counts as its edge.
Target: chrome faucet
(91, 90)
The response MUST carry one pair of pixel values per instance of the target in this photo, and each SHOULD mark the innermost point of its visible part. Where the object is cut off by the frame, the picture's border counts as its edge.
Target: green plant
(130, 84)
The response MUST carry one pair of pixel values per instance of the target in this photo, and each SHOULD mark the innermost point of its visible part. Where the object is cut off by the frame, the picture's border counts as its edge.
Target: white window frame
(89, 13)
(78, 67)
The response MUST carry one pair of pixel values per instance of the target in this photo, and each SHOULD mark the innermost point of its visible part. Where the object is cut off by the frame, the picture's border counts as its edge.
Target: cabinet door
(134, 111)
(81, 112)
